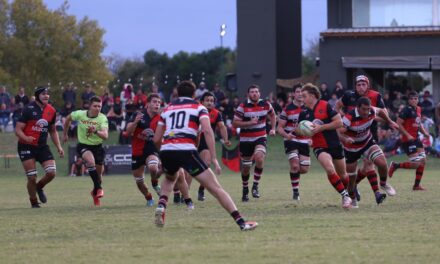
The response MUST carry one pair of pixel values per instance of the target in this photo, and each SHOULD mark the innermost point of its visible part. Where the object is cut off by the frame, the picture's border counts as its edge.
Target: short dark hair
(363, 101)
(413, 94)
(296, 86)
(206, 94)
(95, 99)
(153, 95)
(186, 89)
(311, 89)
(253, 86)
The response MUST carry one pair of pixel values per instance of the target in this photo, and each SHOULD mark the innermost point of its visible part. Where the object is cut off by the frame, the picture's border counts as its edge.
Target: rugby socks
(95, 178)
(237, 218)
(360, 176)
(257, 175)
(419, 174)
(294, 180)
(372, 178)
(154, 182)
(201, 188)
(188, 201)
(163, 200)
(336, 182)
(245, 180)
(148, 196)
(403, 165)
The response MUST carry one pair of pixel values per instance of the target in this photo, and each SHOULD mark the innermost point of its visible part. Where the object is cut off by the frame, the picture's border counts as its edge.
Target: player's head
(95, 105)
(297, 95)
(41, 94)
(363, 105)
(310, 94)
(362, 84)
(186, 89)
(208, 100)
(254, 93)
(413, 99)
(153, 103)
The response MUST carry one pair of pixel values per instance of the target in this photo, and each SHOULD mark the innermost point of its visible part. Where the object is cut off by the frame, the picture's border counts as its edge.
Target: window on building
(395, 13)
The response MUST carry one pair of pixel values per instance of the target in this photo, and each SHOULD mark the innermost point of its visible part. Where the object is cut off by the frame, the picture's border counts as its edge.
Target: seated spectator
(21, 97)
(106, 97)
(140, 99)
(115, 115)
(5, 114)
(108, 105)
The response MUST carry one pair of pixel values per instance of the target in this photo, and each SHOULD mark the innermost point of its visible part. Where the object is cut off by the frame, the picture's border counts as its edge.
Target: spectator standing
(155, 89)
(21, 97)
(339, 89)
(218, 93)
(5, 114)
(398, 101)
(69, 95)
(333, 100)
(5, 98)
(87, 94)
(126, 94)
(427, 105)
(325, 94)
(140, 99)
(201, 90)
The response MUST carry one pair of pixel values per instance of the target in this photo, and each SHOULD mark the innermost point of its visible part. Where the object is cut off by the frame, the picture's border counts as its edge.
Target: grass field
(404, 229)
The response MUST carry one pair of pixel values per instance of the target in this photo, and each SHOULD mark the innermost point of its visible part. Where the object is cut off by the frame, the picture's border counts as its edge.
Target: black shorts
(302, 148)
(247, 148)
(410, 147)
(335, 152)
(40, 154)
(140, 160)
(189, 160)
(97, 151)
(353, 156)
(202, 144)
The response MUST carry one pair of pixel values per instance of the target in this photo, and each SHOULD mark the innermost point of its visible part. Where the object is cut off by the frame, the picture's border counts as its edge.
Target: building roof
(382, 31)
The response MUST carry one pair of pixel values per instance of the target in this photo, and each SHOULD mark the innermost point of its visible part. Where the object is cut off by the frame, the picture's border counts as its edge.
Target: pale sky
(135, 26)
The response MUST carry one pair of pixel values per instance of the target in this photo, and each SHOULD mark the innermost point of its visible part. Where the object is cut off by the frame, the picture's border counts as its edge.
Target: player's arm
(402, 129)
(280, 129)
(56, 140)
(102, 133)
(66, 127)
(342, 136)
(131, 126)
(383, 114)
(333, 125)
(224, 133)
(19, 132)
(239, 123)
(424, 132)
(158, 135)
(210, 141)
(273, 121)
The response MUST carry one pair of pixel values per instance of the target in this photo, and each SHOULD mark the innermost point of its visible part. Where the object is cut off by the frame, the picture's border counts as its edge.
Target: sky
(135, 26)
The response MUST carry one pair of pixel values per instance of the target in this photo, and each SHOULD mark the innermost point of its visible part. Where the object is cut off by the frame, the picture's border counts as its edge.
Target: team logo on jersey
(40, 126)
(146, 134)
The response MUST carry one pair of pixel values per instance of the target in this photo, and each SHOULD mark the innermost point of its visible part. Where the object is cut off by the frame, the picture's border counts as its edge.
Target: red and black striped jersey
(248, 110)
(349, 99)
(411, 121)
(290, 114)
(322, 113)
(215, 117)
(181, 119)
(143, 133)
(358, 129)
(37, 122)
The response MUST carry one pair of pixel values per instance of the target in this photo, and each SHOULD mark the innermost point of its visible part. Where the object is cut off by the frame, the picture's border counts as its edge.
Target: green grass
(405, 229)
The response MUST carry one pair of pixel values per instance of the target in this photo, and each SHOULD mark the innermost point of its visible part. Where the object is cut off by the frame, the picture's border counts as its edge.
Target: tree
(41, 46)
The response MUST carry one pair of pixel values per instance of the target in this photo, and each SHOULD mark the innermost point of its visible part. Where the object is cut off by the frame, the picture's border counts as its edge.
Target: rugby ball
(305, 127)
